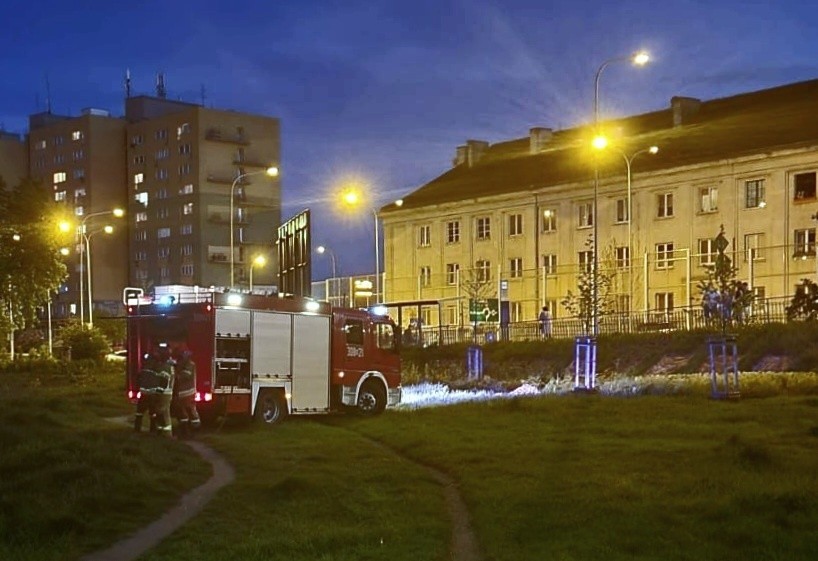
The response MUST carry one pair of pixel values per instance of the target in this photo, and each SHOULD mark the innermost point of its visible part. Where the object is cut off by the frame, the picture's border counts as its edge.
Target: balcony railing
(217, 135)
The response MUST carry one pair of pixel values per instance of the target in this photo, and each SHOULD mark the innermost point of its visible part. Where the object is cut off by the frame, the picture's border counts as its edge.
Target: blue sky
(384, 91)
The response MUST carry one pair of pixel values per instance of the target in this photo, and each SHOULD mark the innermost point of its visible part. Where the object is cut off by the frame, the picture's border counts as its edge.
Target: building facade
(517, 218)
(13, 158)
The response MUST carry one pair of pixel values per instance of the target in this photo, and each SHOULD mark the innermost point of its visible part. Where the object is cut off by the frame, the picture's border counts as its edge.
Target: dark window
(354, 330)
(805, 185)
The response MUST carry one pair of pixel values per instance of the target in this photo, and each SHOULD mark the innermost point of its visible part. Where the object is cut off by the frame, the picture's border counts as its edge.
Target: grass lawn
(572, 477)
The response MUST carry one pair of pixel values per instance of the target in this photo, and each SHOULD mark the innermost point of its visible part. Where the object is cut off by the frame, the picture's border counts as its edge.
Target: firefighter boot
(137, 422)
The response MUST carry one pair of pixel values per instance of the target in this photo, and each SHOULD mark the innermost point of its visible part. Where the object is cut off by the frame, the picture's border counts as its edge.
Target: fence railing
(768, 310)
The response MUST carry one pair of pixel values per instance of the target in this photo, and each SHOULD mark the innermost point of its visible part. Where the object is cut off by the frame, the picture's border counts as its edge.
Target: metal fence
(768, 310)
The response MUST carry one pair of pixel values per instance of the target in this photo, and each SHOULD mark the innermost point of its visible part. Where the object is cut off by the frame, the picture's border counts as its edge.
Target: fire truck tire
(371, 399)
(270, 408)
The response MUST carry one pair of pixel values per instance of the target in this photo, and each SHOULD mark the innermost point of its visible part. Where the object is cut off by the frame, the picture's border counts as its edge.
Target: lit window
(79, 211)
(59, 177)
(76, 135)
(549, 220)
(163, 233)
(515, 225)
(186, 250)
(141, 216)
(40, 145)
(59, 196)
(79, 193)
(184, 128)
(187, 208)
(709, 199)
(138, 178)
(142, 198)
(186, 189)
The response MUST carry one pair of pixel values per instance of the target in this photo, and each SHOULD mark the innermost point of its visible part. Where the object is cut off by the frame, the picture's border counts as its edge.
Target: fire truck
(267, 356)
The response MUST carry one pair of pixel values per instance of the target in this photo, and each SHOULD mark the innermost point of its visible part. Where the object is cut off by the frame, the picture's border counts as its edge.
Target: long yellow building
(519, 214)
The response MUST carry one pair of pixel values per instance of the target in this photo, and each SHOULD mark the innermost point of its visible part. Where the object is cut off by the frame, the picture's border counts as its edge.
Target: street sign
(485, 310)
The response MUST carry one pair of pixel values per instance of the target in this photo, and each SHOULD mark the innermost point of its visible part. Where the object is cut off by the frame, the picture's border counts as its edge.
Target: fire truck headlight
(208, 396)
(341, 374)
(234, 300)
(312, 306)
(379, 310)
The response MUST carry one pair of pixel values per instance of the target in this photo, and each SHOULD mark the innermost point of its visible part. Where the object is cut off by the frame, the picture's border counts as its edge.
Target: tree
(581, 304)
(477, 287)
(725, 299)
(804, 304)
(31, 267)
(84, 343)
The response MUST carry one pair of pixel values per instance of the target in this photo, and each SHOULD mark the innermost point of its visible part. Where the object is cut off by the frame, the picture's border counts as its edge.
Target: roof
(725, 128)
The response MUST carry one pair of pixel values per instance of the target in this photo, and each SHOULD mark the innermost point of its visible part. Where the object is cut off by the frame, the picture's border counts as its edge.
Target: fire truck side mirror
(131, 295)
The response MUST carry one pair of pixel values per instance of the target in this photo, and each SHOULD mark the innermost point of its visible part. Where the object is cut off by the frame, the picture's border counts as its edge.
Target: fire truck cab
(268, 356)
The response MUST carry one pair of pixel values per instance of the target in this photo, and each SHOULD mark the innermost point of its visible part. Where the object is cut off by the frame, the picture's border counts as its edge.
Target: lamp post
(640, 59)
(321, 250)
(271, 171)
(259, 260)
(117, 212)
(107, 229)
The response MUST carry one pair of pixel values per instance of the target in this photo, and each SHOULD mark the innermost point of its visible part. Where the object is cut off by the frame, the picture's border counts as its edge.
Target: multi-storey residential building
(13, 158)
(520, 214)
(183, 162)
(81, 159)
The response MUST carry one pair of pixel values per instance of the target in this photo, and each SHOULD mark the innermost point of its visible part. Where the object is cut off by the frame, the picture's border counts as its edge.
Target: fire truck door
(311, 363)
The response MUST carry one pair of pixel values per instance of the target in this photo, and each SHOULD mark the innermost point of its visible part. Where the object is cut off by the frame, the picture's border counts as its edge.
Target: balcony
(226, 179)
(244, 161)
(217, 135)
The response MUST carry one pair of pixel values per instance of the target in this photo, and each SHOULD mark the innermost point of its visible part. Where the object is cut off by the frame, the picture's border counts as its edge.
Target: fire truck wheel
(270, 407)
(371, 399)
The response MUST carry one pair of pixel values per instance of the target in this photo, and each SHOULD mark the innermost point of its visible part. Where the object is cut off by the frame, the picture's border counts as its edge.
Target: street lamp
(271, 171)
(259, 260)
(639, 58)
(107, 229)
(321, 250)
(117, 212)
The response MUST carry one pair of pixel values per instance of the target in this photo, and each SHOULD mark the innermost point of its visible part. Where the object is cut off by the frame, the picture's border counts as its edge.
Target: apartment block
(520, 215)
(13, 158)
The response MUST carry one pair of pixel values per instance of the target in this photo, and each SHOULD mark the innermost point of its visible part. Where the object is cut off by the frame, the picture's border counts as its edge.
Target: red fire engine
(268, 356)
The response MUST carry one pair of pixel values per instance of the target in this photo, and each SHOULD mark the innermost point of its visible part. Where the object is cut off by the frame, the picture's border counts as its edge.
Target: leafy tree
(581, 304)
(804, 304)
(84, 343)
(476, 287)
(724, 298)
(30, 263)
(114, 329)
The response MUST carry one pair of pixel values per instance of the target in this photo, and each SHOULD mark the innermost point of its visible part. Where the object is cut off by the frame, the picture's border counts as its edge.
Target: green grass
(573, 477)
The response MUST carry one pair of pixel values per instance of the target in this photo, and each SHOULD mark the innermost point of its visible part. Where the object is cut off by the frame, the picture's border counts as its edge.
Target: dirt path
(189, 506)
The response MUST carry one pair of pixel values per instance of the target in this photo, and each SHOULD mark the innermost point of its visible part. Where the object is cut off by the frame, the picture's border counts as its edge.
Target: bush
(85, 343)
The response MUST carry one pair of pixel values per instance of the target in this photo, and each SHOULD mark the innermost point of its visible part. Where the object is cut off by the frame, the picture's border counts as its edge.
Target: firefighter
(184, 395)
(149, 386)
(165, 372)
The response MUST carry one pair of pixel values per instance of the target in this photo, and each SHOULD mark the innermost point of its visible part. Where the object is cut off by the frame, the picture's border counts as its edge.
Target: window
(184, 169)
(452, 273)
(141, 217)
(708, 199)
(385, 336)
(79, 193)
(425, 276)
(804, 186)
(139, 159)
(161, 134)
(664, 301)
(184, 149)
(59, 196)
(163, 252)
(424, 235)
(59, 177)
(804, 242)
(137, 139)
(623, 303)
(162, 193)
(549, 264)
(59, 140)
(354, 330)
(79, 211)
(453, 231)
(162, 212)
(621, 211)
(187, 208)
(483, 270)
(484, 228)
(40, 145)
(163, 233)
(186, 229)
(754, 194)
(586, 261)
(142, 198)
(76, 135)
(162, 153)
(186, 189)
(187, 270)
(59, 159)
(142, 275)
(664, 205)
(515, 225)
(138, 178)
(186, 250)
(184, 128)
(451, 315)
(549, 220)
(516, 310)
(164, 272)
(79, 173)
(664, 255)
(78, 155)
(623, 257)
(585, 214)
(707, 252)
(141, 256)
(515, 266)
(753, 244)
(140, 235)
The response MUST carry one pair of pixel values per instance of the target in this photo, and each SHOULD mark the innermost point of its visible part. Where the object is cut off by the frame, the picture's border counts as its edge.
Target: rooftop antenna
(127, 82)
(47, 95)
(202, 93)
(161, 92)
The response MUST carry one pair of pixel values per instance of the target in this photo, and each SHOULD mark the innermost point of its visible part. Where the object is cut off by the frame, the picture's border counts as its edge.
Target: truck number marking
(355, 351)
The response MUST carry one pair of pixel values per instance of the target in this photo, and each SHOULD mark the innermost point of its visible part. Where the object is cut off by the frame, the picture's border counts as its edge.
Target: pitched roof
(730, 127)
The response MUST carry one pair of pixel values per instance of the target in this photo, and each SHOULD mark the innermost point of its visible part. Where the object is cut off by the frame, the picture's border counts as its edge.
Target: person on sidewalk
(545, 322)
(184, 396)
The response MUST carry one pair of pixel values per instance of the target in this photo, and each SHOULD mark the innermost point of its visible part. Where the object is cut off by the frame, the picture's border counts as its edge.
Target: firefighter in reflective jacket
(184, 396)
(150, 387)
(166, 374)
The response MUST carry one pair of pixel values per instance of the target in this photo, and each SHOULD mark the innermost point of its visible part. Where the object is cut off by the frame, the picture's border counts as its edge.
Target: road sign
(487, 309)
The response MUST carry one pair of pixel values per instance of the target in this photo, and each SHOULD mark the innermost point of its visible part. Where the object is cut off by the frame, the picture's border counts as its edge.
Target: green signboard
(487, 309)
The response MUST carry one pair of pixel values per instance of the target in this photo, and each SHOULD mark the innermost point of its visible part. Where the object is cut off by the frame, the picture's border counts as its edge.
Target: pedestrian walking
(545, 322)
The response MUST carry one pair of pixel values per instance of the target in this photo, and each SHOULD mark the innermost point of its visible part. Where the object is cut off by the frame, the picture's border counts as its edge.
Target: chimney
(474, 150)
(538, 137)
(459, 156)
(684, 108)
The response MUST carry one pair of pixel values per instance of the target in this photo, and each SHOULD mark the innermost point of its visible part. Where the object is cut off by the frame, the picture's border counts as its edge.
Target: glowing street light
(323, 249)
(107, 229)
(271, 171)
(259, 260)
(81, 230)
